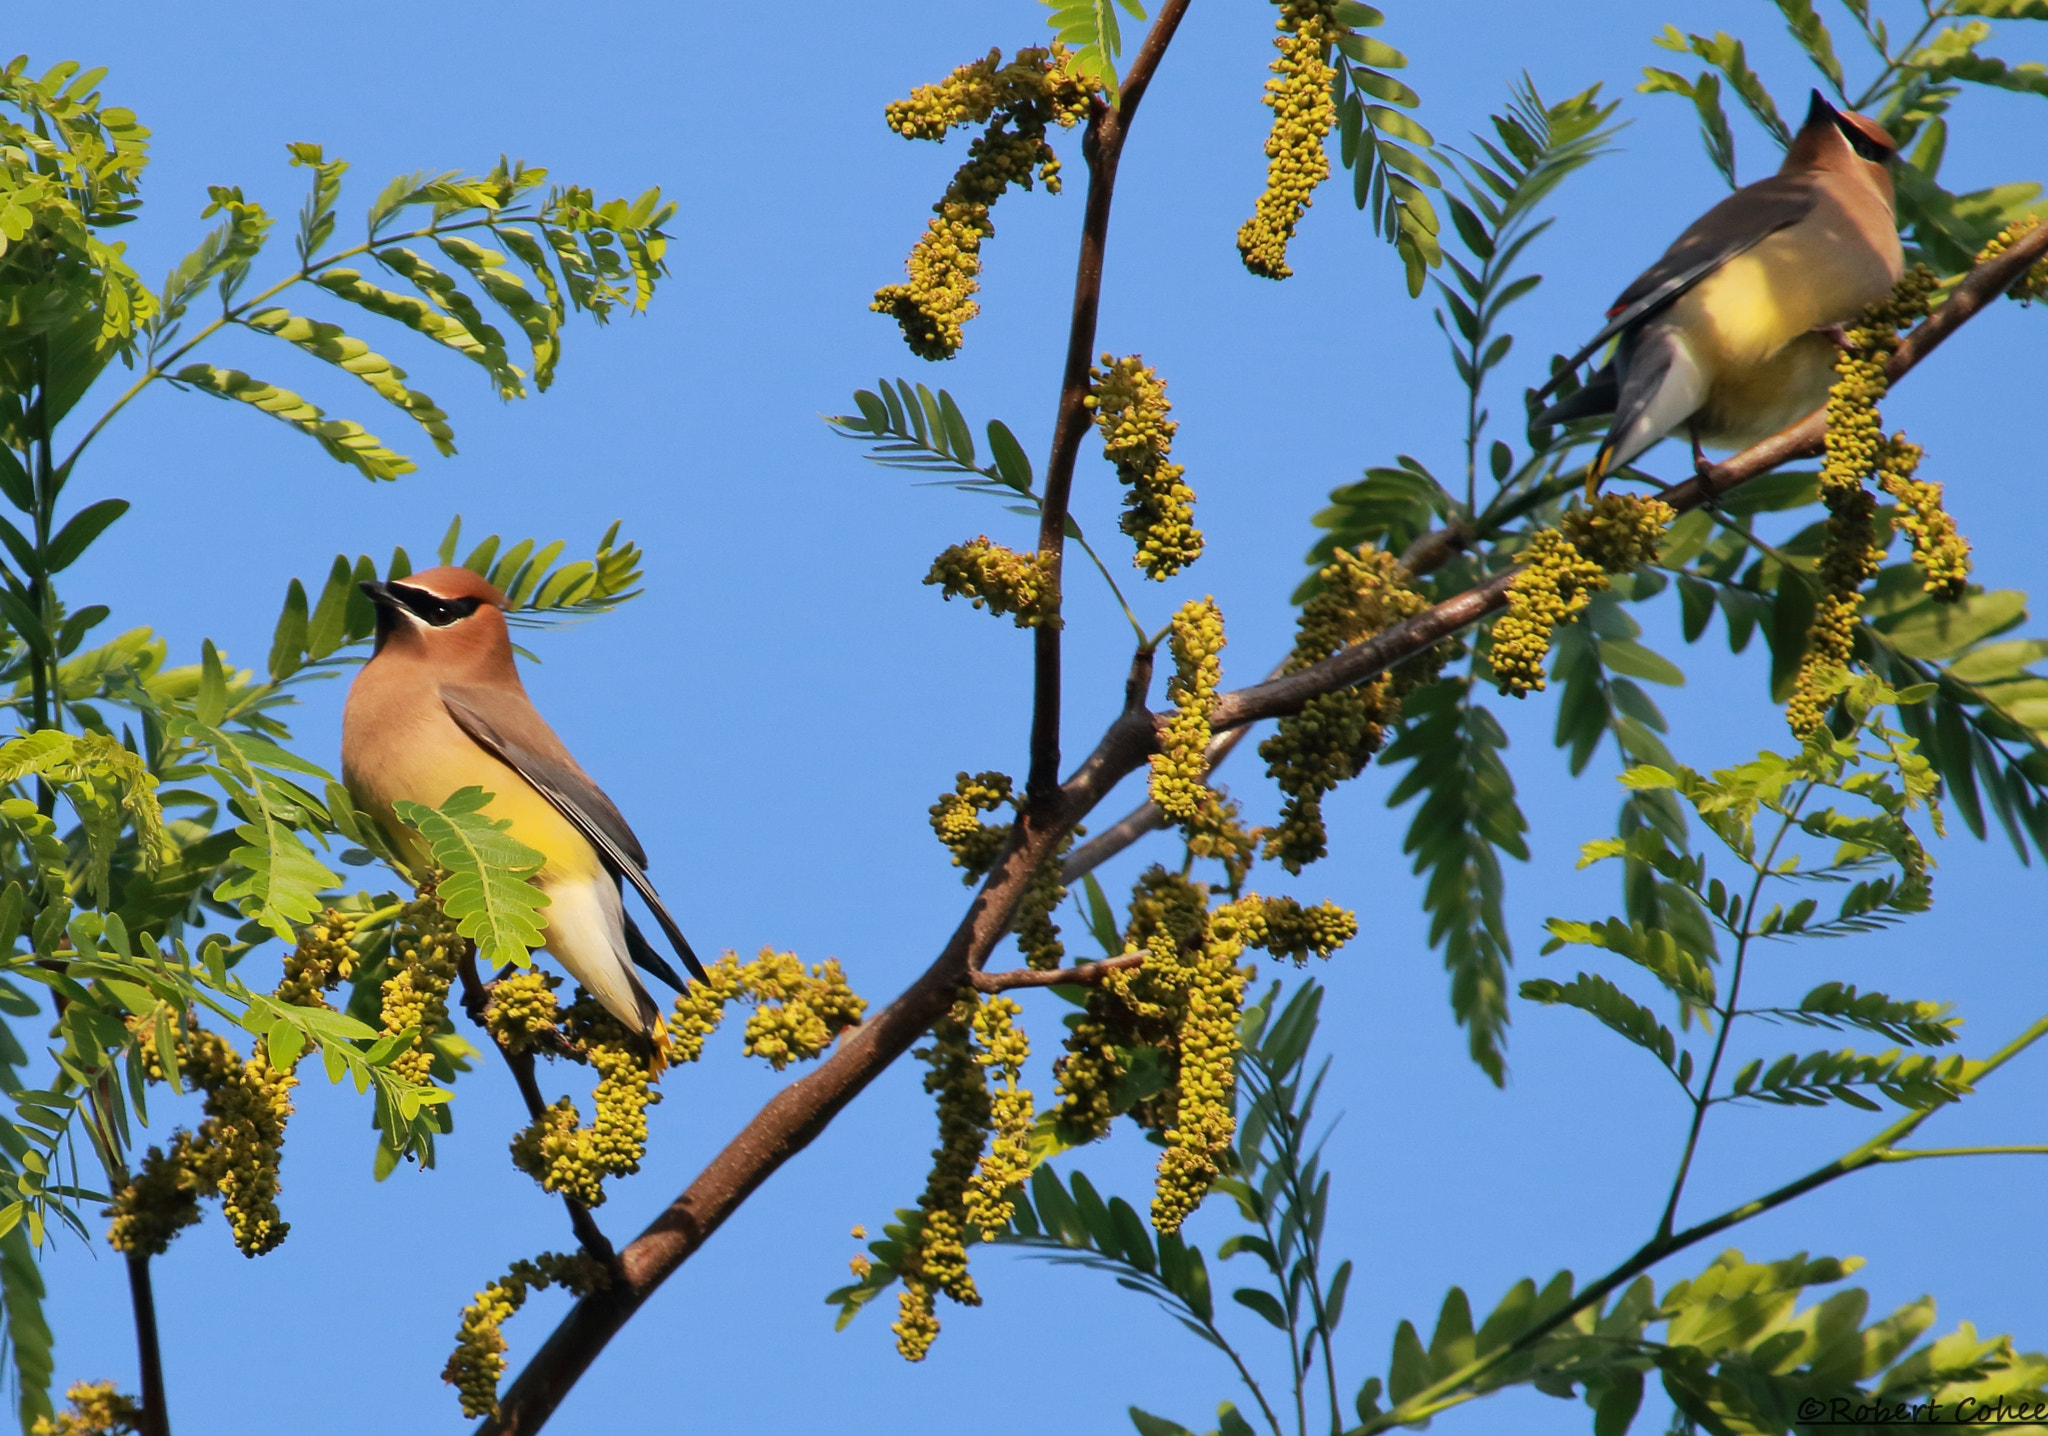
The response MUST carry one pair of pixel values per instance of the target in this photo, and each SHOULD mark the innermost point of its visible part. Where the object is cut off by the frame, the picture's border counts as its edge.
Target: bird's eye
(432, 608)
(1864, 145)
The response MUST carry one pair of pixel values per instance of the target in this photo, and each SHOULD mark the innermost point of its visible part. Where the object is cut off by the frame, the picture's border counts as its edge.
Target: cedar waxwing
(1733, 333)
(439, 707)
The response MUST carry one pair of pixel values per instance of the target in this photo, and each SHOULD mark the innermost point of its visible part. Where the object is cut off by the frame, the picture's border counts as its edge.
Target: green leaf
(488, 889)
(1264, 1303)
(1813, 37)
(79, 531)
(1614, 1008)
(288, 642)
(1089, 28)
(486, 350)
(29, 1342)
(333, 345)
(1150, 1425)
(327, 630)
(348, 442)
(1467, 815)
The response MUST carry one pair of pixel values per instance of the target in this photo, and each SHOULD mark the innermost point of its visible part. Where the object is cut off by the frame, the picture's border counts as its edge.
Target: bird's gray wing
(523, 743)
(1736, 225)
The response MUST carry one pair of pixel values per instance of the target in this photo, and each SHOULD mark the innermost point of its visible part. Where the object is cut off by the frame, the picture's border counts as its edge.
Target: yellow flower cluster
(566, 1157)
(324, 957)
(159, 1202)
(1003, 1050)
(1942, 553)
(1620, 532)
(1131, 409)
(234, 1155)
(521, 1012)
(1180, 768)
(1038, 936)
(935, 1254)
(999, 579)
(1358, 593)
(796, 1016)
(1555, 583)
(1562, 569)
(1203, 1117)
(1216, 832)
(479, 1357)
(1297, 932)
(1856, 446)
(97, 1409)
(2034, 283)
(1018, 102)
(424, 948)
(1183, 1003)
(1303, 115)
(1848, 561)
(975, 845)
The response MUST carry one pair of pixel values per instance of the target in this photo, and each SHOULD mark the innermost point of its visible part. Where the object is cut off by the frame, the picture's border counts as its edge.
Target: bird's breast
(414, 752)
(1822, 271)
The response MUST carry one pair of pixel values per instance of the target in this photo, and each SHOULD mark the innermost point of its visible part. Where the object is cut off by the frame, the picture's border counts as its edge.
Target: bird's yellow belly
(1748, 403)
(1751, 327)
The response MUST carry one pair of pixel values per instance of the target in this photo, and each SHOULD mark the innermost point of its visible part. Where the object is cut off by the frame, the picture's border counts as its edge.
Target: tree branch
(795, 1116)
(156, 1411)
(1103, 146)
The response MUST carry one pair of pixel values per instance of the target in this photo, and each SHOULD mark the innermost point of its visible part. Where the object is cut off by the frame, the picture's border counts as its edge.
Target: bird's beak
(1818, 110)
(380, 594)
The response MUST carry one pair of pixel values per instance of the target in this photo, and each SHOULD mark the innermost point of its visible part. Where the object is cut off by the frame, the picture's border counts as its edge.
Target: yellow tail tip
(663, 1045)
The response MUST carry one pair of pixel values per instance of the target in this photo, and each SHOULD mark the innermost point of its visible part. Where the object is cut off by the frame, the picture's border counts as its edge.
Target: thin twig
(1081, 975)
(475, 993)
(1102, 146)
(796, 1115)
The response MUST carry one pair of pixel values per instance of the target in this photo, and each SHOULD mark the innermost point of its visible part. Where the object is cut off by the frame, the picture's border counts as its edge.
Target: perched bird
(439, 707)
(1732, 335)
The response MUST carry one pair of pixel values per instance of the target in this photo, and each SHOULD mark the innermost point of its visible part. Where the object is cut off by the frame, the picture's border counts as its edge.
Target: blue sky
(778, 711)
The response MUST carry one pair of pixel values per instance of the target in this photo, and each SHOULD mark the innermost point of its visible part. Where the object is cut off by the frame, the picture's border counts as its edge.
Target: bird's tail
(1603, 459)
(663, 1046)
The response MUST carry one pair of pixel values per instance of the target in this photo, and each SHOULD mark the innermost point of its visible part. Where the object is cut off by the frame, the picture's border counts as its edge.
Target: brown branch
(475, 993)
(1081, 975)
(795, 1116)
(1103, 147)
(155, 1417)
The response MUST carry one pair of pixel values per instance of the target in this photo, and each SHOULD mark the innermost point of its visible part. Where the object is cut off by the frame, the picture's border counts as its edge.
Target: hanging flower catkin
(1303, 115)
(1017, 102)
(1562, 568)
(1856, 447)
(1131, 413)
(1180, 768)
(1359, 592)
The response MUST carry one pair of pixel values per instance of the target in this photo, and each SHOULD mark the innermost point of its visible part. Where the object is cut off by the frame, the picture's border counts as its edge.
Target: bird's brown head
(450, 617)
(1846, 142)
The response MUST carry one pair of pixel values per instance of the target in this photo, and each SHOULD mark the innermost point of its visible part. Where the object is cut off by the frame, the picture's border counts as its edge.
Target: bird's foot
(1835, 334)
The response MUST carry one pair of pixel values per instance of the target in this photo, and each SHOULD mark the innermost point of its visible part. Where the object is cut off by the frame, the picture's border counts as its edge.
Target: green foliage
(1378, 143)
(1466, 817)
(1089, 28)
(1540, 146)
(488, 885)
